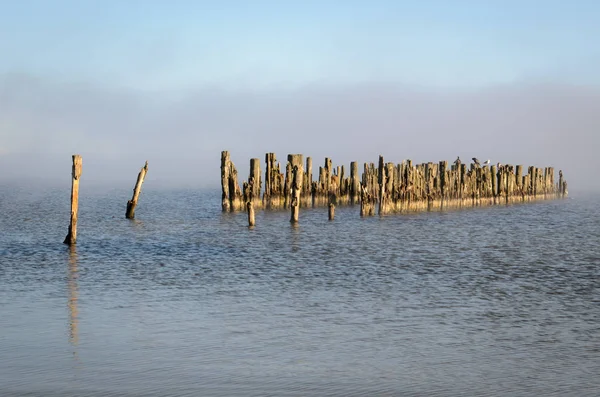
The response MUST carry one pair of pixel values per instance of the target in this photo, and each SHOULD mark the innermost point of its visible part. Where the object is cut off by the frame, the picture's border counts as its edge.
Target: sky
(175, 82)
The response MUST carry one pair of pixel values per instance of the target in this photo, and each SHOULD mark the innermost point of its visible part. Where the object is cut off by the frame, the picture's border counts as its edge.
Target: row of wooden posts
(71, 238)
(391, 187)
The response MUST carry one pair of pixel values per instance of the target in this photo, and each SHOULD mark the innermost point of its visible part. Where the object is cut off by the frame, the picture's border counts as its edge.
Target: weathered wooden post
(331, 211)
(287, 186)
(389, 185)
(273, 182)
(254, 184)
(560, 184)
(71, 238)
(551, 181)
(131, 204)
(381, 181)
(519, 180)
(225, 206)
(463, 176)
(231, 197)
(367, 206)
(251, 218)
(307, 197)
(295, 162)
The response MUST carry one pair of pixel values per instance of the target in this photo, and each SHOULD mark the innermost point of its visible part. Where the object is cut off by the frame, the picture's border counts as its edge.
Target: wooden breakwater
(385, 187)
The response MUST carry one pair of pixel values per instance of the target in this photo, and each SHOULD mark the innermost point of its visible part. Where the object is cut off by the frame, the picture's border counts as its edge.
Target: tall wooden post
(251, 217)
(71, 238)
(130, 213)
(255, 182)
(560, 184)
(295, 162)
(308, 178)
(355, 183)
(443, 182)
(231, 195)
(519, 179)
(225, 204)
(382, 181)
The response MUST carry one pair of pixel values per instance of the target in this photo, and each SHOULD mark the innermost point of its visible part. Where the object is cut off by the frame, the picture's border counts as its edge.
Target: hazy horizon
(175, 85)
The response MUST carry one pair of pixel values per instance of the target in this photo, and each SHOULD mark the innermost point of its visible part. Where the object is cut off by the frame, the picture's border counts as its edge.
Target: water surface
(188, 301)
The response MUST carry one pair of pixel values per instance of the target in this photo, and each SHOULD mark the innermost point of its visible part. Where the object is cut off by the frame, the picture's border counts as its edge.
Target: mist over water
(182, 133)
(186, 300)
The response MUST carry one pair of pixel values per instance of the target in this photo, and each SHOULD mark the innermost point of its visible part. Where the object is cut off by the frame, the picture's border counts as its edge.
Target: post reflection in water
(72, 303)
(295, 237)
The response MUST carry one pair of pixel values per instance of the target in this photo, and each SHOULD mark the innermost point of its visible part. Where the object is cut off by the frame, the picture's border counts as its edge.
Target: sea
(186, 300)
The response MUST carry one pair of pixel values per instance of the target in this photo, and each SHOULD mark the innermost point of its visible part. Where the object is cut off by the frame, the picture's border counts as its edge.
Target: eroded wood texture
(295, 163)
(391, 188)
(131, 204)
(231, 194)
(71, 237)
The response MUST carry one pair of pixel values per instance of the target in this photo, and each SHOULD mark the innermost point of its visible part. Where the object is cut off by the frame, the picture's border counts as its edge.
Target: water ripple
(188, 301)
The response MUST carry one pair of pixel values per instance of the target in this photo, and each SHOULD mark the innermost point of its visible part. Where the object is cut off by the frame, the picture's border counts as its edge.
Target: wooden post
(287, 187)
(443, 181)
(307, 184)
(71, 238)
(231, 197)
(253, 186)
(225, 206)
(381, 181)
(295, 162)
(367, 206)
(560, 184)
(251, 218)
(328, 171)
(273, 183)
(331, 211)
(519, 179)
(389, 185)
(130, 213)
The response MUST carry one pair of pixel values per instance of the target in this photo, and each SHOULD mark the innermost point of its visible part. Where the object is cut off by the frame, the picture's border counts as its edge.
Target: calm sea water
(187, 301)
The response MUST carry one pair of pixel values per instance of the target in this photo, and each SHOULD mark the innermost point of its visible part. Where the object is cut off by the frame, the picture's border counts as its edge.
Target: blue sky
(173, 45)
(175, 82)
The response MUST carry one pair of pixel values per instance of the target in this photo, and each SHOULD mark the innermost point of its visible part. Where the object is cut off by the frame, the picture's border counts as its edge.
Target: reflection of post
(295, 237)
(73, 313)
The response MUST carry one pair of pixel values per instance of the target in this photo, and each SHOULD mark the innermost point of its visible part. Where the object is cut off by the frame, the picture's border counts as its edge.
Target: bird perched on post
(476, 161)
(487, 162)
(457, 160)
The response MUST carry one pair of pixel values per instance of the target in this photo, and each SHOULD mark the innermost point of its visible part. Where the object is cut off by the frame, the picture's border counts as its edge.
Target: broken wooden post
(295, 163)
(225, 205)
(251, 218)
(307, 196)
(256, 180)
(382, 182)
(389, 169)
(75, 175)
(130, 213)
(231, 196)
(354, 183)
(367, 202)
(519, 180)
(559, 190)
(251, 189)
(273, 182)
(443, 182)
